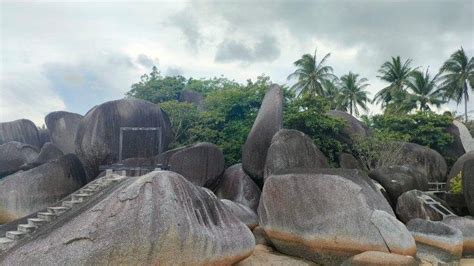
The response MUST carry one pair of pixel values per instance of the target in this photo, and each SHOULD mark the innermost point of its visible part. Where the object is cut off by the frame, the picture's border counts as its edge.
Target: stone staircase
(44, 217)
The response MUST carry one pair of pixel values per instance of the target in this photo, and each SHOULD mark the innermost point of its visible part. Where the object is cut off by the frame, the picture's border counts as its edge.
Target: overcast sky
(72, 56)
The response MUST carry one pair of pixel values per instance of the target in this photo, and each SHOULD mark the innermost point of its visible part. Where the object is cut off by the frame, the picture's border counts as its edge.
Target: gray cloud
(146, 61)
(188, 25)
(266, 49)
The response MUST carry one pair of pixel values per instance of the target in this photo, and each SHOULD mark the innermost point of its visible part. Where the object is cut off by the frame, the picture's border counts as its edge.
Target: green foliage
(353, 92)
(183, 117)
(456, 184)
(424, 128)
(308, 114)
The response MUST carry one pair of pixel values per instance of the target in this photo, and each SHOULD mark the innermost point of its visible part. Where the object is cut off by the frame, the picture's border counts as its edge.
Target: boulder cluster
(285, 204)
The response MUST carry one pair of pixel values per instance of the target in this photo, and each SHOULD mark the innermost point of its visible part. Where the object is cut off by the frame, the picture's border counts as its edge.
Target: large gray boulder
(423, 159)
(399, 179)
(348, 161)
(269, 120)
(465, 136)
(22, 130)
(43, 134)
(466, 226)
(454, 149)
(98, 135)
(156, 219)
(326, 219)
(202, 163)
(353, 129)
(237, 186)
(293, 149)
(26, 192)
(458, 165)
(243, 213)
(436, 242)
(413, 204)
(468, 184)
(48, 152)
(62, 127)
(193, 97)
(15, 156)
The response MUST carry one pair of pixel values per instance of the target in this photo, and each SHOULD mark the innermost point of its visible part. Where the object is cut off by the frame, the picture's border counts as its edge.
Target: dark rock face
(458, 165)
(436, 239)
(410, 205)
(293, 149)
(425, 160)
(468, 184)
(237, 186)
(399, 179)
(191, 97)
(156, 219)
(466, 226)
(326, 219)
(15, 156)
(98, 135)
(353, 130)
(456, 148)
(348, 161)
(48, 152)
(63, 129)
(22, 130)
(43, 136)
(242, 212)
(269, 120)
(25, 192)
(202, 163)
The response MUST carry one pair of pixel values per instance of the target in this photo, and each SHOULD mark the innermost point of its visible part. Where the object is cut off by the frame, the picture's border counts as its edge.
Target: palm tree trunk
(465, 101)
(350, 106)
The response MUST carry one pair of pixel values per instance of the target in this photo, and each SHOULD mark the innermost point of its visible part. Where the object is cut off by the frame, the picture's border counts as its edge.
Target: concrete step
(36, 221)
(88, 191)
(46, 216)
(5, 243)
(58, 210)
(27, 228)
(71, 203)
(14, 235)
(80, 197)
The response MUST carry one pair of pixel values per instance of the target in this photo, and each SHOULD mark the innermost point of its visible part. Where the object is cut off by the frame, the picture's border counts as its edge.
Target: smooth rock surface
(348, 161)
(26, 192)
(98, 135)
(399, 179)
(353, 129)
(62, 127)
(156, 219)
(201, 163)
(243, 213)
(14, 156)
(410, 205)
(376, 258)
(468, 184)
(326, 219)
(425, 160)
(269, 120)
(466, 226)
(454, 149)
(48, 152)
(466, 137)
(22, 130)
(457, 167)
(43, 134)
(436, 241)
(293, 149)
(237, 186)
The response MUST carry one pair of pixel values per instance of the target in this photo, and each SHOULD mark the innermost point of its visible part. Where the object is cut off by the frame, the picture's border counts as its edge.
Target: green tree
(458, 75)
(423, 91)
(397, 75)
(310, 74)
(183, 117)
(332, 92)
(353, 92)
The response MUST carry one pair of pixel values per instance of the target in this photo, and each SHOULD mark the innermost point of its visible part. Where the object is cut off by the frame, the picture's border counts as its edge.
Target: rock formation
(353, 129)
(413, 204)
(22, 130)
(15, 156)
(62, 127)
(48, 152)
(466, 226)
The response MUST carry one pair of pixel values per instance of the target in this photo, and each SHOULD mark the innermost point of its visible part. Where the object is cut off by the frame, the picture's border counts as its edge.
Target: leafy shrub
(456, 184)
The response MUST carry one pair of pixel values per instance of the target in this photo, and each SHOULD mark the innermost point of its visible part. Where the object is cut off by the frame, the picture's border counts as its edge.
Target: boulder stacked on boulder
(98, 135)
(48, 152)
(293, 149)
(326, 219)
(435, 241)
(202, 163)
(62, 127)
(353, 129)
(15, 156)
(269, 120)
(156, 219)
(26, 192)
(22, 130)
(414, 204)
(399, 179)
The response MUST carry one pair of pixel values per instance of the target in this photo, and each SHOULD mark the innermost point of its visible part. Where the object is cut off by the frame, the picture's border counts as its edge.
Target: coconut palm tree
(424, 91)
(353, 92)
(332, 92)
(310, 74)
(396, 74)
(458, 75)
